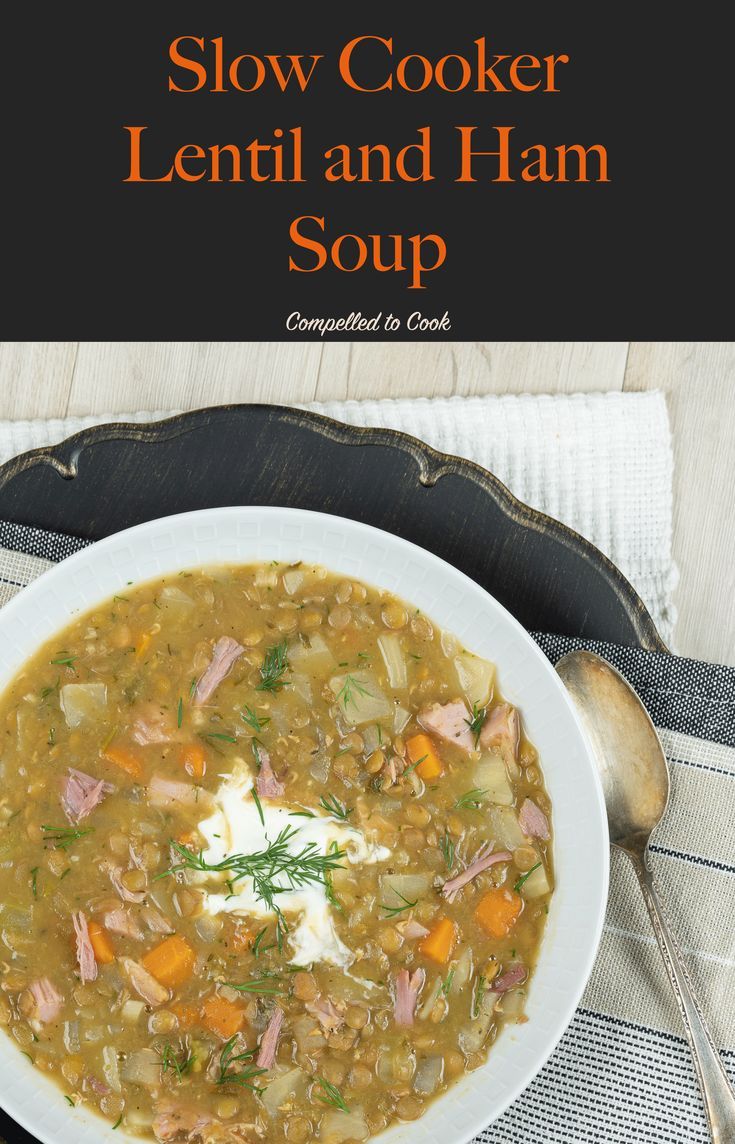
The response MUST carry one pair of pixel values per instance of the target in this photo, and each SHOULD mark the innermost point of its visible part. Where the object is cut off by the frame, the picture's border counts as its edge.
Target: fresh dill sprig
(301, 814)
(275, 664)
(170, 1061)
(475, 724)
(524, 877)
(447, 847)
(46, 691)
(257, 947)
(447, 985)
(34, 881)
(220, 736)
(414, 765)
(331, 1095)
(471, 798)
(192, 688)
(346, 692)
(256, 800)
(180, 712)
(65, 660)
(333, 806)
(228, 1058)
(64, 836)
(394, 911)
(257, 722)
(476, 996)
(266, 867)
(265, 986)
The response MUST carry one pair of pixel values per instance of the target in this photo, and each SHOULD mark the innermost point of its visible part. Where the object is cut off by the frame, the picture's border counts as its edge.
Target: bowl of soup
(299, 840)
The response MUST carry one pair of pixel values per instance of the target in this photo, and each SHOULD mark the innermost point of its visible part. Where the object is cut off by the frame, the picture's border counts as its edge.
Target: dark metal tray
(112, 476)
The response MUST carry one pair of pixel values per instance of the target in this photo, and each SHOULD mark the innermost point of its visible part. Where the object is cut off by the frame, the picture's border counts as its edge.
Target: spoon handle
(717, 1093)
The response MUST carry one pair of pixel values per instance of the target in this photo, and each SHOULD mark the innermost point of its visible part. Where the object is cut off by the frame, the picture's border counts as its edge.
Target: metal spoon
(635, 782)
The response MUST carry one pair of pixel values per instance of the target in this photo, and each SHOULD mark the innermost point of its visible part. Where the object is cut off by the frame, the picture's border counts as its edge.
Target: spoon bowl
(630, 759)
(635, 781)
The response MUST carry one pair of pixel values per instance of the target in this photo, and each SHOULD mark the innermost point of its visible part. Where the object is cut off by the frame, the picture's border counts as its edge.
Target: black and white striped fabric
(622, 1072)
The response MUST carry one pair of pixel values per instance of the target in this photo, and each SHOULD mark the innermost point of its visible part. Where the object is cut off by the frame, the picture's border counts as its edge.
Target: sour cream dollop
(236, 828)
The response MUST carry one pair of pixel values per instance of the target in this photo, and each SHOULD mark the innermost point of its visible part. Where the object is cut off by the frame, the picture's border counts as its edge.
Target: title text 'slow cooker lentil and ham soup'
(275, 858)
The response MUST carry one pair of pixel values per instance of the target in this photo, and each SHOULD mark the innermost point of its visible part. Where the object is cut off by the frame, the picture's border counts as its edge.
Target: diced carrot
(171, 962)
(225, 1018)
(498, 910)
(124, 758)
(439, 942)
(101, 944)
(188, 1015)
(422, 753)
(142, 645)
(193, 759)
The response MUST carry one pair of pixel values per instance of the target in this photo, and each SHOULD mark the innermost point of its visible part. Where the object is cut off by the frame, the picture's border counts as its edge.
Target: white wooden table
(61, 378)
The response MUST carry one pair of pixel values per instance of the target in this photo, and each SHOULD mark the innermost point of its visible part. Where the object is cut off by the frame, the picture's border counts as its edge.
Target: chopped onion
(474, 1035)
(476, 678)
(83, 702)
(450, 645)
(301, 685)
(339, 1126)
(142, 1067)
(503, 827)
(176, 598)
(395, 664)
(208, 927)
(17, 917)
(512, 1004)
(430, 999)
(266, 576)
(282, 1088)
(71, 1036)
(400, 718)
(462, 970)
(110, 1067)
(492, 777)
(428, 1075)
(292, 580)
(131, 1012)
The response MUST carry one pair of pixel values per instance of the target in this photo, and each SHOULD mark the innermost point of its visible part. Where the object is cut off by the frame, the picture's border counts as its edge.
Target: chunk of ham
(482, 861)
(175, 1120)
(266, 783)
(97, 1086)
(85, 954)
(326, 1013)
(47, 1000)
(81, 794)
(143, 982)
(152, 725)
(533, 821)
(450, 721)
(115, 876)
(408, 987)
(166, 793)
(513, 976)
(269, 1041)
(123, 922)
(225, 654)
(502, 730)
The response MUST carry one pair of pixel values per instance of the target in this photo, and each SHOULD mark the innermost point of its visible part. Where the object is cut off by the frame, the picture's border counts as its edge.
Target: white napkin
(602, 463)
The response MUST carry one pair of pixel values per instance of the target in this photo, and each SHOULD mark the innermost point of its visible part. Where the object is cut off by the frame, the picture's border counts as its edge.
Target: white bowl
(241, 535)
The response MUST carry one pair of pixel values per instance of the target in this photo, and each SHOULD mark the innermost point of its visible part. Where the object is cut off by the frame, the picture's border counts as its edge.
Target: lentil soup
(275, 858)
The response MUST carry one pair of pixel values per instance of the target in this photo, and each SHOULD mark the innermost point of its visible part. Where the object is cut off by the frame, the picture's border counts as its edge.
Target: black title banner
(217, 171)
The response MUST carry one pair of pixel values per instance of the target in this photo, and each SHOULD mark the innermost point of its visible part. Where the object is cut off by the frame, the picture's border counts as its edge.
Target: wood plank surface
(56, 379)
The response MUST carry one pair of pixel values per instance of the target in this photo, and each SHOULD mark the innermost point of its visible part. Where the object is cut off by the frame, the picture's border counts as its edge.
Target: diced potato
(397, 889)
(83, 702)
(476, 678)
(288, 1086)
(536, 884)
(339, 1126)
(316, 659)
(360, 699)
(492, 777)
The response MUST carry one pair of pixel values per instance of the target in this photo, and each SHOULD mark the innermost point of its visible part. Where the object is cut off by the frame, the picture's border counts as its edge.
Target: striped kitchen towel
(622, 1072)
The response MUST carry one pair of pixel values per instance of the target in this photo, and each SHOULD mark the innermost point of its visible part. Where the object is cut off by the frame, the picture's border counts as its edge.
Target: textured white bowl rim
(246, 534)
